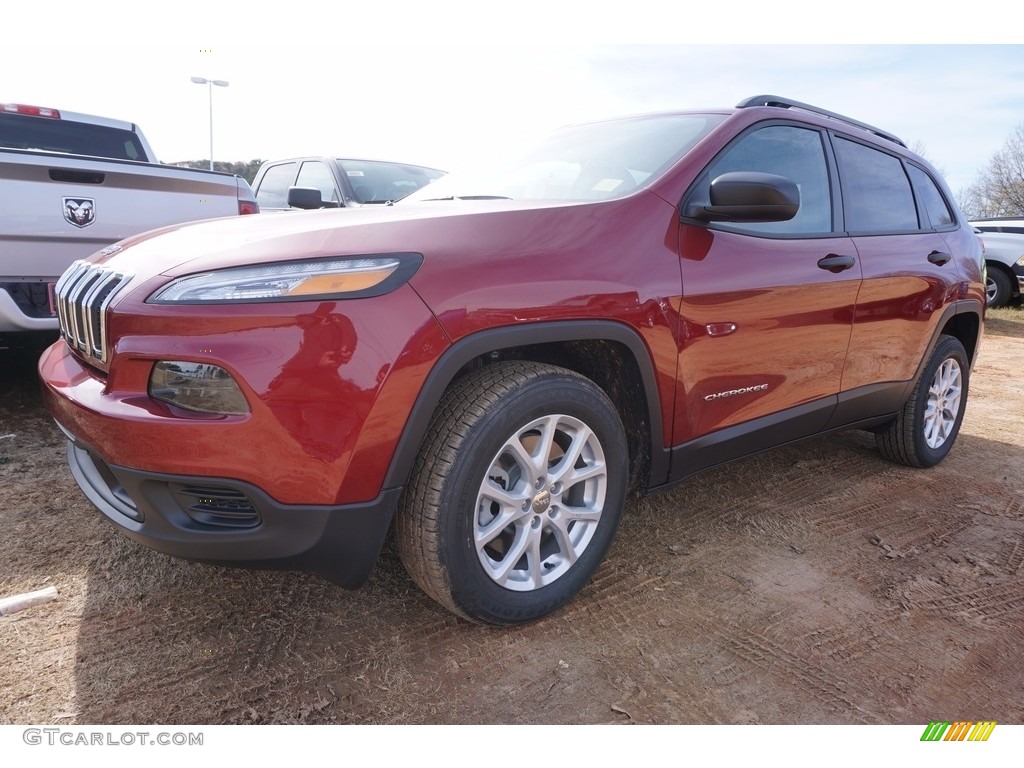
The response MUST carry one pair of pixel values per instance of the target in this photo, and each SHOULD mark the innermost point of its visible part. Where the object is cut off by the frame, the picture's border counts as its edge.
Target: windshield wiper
(468, 197)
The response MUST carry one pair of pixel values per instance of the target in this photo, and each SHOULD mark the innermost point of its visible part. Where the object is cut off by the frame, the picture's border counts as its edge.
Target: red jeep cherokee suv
(491, 364)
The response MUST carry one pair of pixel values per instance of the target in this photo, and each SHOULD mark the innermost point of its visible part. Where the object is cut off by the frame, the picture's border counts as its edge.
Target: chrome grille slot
(83, 293)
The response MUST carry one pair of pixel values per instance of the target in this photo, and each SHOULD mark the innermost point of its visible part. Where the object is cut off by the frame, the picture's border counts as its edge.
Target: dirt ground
(813, 584)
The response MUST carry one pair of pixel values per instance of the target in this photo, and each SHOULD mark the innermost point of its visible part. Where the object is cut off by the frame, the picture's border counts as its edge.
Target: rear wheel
(998, 288)
(927, 426)
(516, 494)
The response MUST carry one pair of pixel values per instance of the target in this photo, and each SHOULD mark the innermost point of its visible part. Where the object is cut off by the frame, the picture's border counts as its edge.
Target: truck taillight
(26, 109)
(247, 206)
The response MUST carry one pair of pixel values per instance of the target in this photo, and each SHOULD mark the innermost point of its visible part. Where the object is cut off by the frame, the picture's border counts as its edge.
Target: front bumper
(1018, 270)
(230, 522)
(14, 320)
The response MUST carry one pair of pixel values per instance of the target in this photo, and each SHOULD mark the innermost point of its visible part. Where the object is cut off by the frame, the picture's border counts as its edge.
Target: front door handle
(939, 257)
(835, 263)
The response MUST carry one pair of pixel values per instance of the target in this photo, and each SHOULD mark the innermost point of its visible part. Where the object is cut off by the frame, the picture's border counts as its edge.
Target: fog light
(196, 387)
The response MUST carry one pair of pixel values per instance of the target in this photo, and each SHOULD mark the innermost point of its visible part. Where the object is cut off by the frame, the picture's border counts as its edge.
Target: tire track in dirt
(994, 606)
(1010, 556)
(830, 690)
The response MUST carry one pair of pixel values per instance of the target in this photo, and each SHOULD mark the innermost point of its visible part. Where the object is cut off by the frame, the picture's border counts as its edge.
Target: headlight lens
(293, 281)
(196, 387)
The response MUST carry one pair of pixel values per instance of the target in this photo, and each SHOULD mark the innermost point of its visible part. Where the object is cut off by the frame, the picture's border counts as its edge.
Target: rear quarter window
(931, 198)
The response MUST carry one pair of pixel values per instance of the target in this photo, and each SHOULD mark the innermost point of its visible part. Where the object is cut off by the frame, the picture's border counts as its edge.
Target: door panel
(900, 303)
(767, 306)
(765, 327)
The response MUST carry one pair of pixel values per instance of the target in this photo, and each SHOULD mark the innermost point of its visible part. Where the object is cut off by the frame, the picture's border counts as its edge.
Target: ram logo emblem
(79, 211)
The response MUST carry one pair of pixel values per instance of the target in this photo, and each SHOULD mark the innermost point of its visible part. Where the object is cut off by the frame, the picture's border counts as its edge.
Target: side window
(876, 190)
(931, 198)
(273, 189)
(316, 175)
(784, 150)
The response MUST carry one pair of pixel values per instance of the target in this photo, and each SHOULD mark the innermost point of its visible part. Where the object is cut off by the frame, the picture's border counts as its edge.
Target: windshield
(381, 182)
(598, 161)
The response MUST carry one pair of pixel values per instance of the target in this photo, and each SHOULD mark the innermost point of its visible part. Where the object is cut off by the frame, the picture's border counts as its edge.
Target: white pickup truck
(72, 184)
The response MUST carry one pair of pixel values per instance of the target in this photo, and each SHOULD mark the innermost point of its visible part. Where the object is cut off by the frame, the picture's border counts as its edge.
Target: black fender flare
(455, 358)
(955, 309)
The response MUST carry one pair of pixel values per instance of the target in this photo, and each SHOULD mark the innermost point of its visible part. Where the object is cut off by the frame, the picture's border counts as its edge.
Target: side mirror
(307, 198)
(743, 196)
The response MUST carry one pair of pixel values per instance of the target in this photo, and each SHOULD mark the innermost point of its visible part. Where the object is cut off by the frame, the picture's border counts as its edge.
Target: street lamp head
(204, 81)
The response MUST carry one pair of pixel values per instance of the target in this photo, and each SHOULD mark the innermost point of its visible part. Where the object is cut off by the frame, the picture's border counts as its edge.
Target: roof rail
(765, 100)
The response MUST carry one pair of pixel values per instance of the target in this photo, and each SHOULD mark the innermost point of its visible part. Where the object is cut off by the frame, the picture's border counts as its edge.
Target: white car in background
(1000, 224)
(1004, 260)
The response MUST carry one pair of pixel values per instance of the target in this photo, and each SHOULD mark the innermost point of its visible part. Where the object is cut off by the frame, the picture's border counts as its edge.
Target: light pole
(210, 84)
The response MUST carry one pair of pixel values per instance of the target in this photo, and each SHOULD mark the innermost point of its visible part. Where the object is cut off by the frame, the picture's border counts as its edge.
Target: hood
(269, 237)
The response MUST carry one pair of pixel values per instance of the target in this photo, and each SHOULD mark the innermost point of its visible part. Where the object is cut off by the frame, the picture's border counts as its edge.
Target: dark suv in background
(493, 363)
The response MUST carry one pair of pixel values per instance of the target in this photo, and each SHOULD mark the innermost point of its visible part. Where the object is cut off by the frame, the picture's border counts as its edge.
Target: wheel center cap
(541, 501)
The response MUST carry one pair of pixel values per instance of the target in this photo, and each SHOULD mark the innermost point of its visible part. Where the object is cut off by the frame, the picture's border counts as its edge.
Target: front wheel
(928, 424)
(516, 494)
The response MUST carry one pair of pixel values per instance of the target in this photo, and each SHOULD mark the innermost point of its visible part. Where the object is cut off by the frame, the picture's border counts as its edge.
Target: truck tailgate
(59, 209)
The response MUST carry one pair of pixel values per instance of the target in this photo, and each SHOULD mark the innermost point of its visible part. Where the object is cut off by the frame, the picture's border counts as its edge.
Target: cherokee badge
(734, 392)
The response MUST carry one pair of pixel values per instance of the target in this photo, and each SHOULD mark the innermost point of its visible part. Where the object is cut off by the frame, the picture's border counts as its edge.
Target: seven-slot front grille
(83, 294)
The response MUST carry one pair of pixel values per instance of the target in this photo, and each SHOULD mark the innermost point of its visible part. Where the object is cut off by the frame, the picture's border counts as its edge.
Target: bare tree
(967, 200)
(999, 190)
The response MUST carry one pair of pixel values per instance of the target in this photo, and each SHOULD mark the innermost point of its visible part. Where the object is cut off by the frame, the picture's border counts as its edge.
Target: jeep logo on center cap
(79, 211)
(541, 502)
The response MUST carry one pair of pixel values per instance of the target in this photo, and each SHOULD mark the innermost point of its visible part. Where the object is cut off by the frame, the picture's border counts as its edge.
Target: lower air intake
(218, 507)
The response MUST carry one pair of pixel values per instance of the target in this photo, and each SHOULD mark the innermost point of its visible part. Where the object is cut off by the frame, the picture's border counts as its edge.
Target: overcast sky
(422, 87)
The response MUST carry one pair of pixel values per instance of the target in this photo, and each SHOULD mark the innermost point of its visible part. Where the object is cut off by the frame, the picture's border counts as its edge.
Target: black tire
(559, 520)
(998, 288)
(929, 422)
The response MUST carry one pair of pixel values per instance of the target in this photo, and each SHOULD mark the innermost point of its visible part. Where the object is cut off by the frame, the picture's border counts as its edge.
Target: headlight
(336, 278)
(1020, 261)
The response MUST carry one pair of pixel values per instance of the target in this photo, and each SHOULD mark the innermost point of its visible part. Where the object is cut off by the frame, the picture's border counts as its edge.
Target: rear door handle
(835, 263)
(939, 257)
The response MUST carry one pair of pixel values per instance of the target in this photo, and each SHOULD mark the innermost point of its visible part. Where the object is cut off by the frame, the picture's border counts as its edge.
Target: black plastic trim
(342, 543)
(748, 438)
(963, 306)
(873, 401)
(863, 407)
(467, 349)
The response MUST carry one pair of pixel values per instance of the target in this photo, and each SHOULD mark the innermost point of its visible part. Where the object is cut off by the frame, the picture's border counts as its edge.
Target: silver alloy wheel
(943, 403)
(991, 290)
(540, 503)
